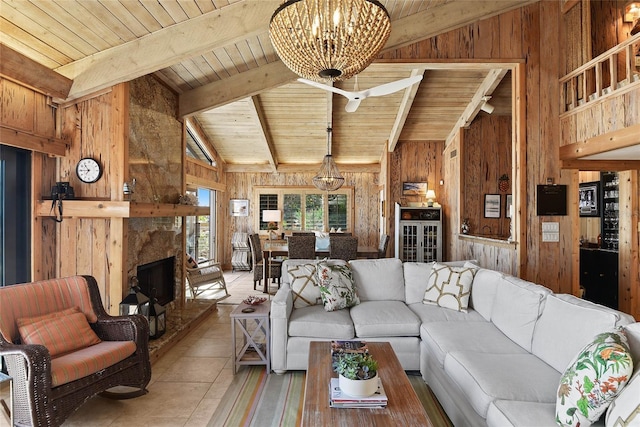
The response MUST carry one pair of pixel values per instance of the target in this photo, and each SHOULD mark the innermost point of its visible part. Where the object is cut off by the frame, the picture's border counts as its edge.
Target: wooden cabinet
(418, 234)
(599, 276)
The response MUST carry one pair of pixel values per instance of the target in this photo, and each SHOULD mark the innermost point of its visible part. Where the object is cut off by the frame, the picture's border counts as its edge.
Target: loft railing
(604, 75)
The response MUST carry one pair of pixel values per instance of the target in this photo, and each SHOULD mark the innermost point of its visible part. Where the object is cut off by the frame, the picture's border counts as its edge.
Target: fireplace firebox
(158, 279)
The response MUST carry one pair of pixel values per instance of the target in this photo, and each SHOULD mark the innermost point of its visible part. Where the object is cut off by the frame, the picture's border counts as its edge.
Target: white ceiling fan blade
(333, 89)
(352, 105)
(392, 87)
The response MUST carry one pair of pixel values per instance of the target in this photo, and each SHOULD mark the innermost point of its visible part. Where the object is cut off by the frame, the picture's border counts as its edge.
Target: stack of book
(337, 399)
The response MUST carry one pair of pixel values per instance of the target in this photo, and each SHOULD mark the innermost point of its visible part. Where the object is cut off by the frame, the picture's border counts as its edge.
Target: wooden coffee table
(404, 407)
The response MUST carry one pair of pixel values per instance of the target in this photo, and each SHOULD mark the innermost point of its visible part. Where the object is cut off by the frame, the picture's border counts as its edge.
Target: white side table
(7, 381)
(252, 351)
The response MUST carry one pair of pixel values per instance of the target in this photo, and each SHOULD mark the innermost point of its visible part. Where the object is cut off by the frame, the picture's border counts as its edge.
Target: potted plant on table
(358, 374)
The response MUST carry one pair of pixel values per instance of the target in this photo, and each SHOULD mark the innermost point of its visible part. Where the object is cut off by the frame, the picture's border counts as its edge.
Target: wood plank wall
(531, 34)
(414, 161)
(487, 156)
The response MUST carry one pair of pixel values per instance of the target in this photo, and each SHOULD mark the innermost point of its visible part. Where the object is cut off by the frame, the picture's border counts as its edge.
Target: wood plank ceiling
(217, 56)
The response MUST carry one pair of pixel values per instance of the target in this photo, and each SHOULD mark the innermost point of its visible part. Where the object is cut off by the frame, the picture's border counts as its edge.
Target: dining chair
(275, 266)
(302, 247)
(345, 248)
(382, 247)
(340, 234)
(303, 233)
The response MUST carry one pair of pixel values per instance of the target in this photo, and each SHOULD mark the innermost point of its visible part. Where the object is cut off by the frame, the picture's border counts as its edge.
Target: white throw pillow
(336, 286)
(449, 287)
(593, 380)
(624, 411)
(303, 284)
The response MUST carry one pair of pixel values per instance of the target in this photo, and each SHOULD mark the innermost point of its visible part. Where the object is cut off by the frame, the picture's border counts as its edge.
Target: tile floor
(187, 382)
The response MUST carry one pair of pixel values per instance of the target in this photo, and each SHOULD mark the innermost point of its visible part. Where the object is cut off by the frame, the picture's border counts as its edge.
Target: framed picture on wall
(239, 207)
(492, 205)
(507, 205)
(589, 193)
(414, 188)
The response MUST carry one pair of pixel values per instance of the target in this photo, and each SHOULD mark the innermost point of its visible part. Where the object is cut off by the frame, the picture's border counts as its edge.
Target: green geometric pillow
(336, 286)
(303, 284)
(594, 379)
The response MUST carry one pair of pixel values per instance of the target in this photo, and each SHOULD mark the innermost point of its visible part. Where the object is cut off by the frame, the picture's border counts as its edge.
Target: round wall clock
(88, 170)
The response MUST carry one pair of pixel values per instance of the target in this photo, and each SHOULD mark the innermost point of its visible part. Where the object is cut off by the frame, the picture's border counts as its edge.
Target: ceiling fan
(356, 96)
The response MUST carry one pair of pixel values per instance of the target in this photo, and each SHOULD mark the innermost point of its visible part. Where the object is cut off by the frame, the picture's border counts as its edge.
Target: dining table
(272, 249)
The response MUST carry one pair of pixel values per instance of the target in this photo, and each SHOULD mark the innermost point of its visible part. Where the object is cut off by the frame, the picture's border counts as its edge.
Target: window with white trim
(306, 208)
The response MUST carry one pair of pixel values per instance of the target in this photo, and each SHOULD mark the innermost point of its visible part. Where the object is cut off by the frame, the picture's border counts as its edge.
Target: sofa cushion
(303, 284)
(336, 286)
(633, 337)
(594, 379)
(416, 277)
(432, 313)
(574, 323)
(517, 307)
(483, 291)
(485, 377)
(515, 413)
(443, 337)
(625, 409)
(449, 287)
(89, 360)
(384, 319)
(378, 279)
(314, 321)
(61, 332)
(35, 299)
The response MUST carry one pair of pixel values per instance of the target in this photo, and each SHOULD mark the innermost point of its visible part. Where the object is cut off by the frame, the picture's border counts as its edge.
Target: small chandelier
(329, 178)
(329, 39)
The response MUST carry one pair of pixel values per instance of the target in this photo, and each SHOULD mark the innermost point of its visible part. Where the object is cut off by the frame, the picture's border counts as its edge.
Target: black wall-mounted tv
(552, 200)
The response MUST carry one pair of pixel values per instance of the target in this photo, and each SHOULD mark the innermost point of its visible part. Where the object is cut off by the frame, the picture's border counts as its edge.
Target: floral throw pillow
(336, 286)
(449, 287)
(594, 379)
(304, 286)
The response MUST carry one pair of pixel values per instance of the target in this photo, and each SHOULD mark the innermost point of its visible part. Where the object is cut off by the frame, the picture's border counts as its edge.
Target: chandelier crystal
(329, 39)
(328, 178)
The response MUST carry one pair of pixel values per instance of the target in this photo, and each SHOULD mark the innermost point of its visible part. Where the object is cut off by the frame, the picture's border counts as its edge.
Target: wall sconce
(632, 11)
(431, 195)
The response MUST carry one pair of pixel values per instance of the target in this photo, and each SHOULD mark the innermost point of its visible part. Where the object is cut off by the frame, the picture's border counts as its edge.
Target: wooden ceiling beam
(486, 88)
(600, 165)
(621, 138)
(261, 124)
(18, 67)
(404, 31)
(169, 46)
(403, 111)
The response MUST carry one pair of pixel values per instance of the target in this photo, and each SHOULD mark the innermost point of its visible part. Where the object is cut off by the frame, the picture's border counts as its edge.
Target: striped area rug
(257, 399)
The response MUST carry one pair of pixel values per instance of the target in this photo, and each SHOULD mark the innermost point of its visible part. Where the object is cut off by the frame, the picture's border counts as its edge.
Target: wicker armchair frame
(37, 403)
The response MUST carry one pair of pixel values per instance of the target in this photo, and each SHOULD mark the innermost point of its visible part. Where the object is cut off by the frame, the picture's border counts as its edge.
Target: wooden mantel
(118, 209)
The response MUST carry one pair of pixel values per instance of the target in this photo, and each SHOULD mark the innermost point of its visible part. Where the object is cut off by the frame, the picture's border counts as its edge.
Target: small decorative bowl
(254, 300)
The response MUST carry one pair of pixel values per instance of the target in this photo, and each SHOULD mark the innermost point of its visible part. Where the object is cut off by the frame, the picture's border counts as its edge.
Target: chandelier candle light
(329, 39)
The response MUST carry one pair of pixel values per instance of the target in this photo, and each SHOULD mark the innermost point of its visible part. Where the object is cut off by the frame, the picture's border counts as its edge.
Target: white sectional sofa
(498, 364)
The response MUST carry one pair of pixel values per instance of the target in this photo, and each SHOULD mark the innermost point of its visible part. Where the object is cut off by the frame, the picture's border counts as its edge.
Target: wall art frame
(492, 204)
(414, 188)
(239, 207)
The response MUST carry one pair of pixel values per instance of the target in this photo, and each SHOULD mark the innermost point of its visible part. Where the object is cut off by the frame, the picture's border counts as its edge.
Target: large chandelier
(328, 178)
(329, 39)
